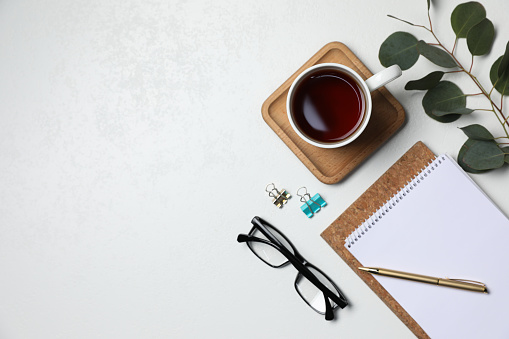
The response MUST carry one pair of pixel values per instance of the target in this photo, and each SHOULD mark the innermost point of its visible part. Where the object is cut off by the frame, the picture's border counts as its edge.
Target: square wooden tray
(332, 165)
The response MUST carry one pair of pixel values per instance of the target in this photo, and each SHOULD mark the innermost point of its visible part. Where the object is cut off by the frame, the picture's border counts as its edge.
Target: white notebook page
(445, 227)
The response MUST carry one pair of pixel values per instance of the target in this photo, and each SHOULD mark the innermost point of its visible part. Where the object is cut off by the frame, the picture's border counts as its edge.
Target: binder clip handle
(272, 190)
(305, 196)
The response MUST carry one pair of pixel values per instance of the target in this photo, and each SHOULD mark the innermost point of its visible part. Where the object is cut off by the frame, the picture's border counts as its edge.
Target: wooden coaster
(332, 165)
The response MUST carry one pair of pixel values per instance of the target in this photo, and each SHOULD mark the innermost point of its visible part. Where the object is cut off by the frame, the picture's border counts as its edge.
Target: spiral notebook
(439, 224)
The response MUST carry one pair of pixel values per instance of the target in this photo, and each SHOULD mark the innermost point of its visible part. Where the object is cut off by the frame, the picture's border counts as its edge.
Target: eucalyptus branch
(429, 18)
(474, 79)
(405, 21)
(444, 101)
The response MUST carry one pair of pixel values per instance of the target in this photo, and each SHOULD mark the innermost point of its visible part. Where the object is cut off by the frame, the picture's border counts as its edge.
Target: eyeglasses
(274, 249)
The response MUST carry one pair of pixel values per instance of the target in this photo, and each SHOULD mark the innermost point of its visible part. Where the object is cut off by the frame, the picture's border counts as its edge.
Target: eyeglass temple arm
(300, 267)
(329, 314)
(242, 238)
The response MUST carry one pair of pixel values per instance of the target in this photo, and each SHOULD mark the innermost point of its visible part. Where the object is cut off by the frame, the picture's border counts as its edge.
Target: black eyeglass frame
(298, 261)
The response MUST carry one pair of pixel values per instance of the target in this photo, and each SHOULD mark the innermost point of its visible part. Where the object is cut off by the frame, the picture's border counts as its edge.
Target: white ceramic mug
(367, 86)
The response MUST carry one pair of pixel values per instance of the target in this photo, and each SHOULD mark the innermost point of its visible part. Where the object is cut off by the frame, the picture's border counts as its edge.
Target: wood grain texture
(396, 177)
(332, 165)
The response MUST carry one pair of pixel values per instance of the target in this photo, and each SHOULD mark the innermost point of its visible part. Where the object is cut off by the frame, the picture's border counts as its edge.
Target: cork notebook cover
(396, 177)
(332, 165)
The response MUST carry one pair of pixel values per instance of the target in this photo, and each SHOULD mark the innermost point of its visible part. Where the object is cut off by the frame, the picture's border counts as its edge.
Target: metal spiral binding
(403, 192)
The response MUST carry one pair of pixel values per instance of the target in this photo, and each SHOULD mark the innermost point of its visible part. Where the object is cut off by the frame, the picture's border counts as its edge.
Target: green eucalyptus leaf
(480, 37)
(506, 153)
(428, 82)
(399, 49)
(465, 16)
(444, 97)
(483, 155)
(477, 132)
(504, 64)
(461, 110)
(501, 83)
(436, 55)
(464, 148)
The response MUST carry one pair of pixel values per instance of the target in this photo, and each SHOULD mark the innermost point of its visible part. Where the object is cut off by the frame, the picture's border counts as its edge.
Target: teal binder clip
(311, 204)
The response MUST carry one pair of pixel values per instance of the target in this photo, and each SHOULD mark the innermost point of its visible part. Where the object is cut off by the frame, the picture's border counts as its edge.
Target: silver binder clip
(280, 197)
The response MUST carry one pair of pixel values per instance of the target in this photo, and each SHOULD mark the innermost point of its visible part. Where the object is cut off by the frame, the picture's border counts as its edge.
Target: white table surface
(133, 152)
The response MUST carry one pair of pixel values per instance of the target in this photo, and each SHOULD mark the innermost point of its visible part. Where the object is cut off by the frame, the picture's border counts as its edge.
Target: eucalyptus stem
(454, 46)
(502, 103)
(429, 18)
(492, 88)
(498, 118)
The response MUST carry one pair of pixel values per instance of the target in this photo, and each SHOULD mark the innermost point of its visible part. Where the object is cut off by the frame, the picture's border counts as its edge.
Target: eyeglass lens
(267, 253)
(311, 294)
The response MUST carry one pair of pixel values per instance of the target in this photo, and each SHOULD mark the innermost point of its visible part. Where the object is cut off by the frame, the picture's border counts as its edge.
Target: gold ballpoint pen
(456, 283)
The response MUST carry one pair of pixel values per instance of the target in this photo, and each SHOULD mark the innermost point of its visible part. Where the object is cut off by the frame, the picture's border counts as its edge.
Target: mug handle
(382, 78)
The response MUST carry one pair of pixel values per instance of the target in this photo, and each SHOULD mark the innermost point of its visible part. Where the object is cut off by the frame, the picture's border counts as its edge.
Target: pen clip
(469, 281)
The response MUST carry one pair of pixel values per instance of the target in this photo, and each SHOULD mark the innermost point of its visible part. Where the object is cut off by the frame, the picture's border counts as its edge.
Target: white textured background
(133, 152)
